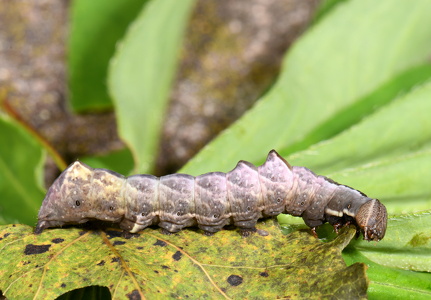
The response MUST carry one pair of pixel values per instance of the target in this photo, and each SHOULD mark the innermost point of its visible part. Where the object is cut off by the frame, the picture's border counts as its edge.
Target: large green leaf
(392, 283)
(407, 246)
(266, 265)
(141, 73)
(21, 164)
(387, 155)
(342, 59)
(95, 28)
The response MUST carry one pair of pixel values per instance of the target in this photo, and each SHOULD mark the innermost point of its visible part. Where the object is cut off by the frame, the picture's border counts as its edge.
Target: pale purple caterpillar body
(209, 201)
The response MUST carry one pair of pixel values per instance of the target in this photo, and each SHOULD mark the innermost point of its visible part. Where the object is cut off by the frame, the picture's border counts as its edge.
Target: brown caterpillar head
(372, 219)
(79, 194)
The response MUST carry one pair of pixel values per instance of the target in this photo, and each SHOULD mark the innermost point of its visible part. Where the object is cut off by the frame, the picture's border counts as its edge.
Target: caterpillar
(209, 201)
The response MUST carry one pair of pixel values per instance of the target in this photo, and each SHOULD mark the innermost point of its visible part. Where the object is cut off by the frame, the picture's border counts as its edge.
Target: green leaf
(21, 165)
(384, 158)
(325, 6)
(141, 73)
(341, 60)
(96, 27)
(391, 283)
(406, 246)
(119, 161)
(184, 265)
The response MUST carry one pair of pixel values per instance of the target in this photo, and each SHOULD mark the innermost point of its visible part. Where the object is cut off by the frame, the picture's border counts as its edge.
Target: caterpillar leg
(314, 233)
(169, 228)
(339, 225)
(245, 232)
(209, 230)
(167, 232)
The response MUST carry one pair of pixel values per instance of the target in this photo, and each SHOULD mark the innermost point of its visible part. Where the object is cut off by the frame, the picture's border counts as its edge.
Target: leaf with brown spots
(183, 265)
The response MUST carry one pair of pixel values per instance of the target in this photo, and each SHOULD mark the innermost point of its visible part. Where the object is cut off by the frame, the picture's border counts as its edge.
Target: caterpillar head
(372, 219)
(80, 194)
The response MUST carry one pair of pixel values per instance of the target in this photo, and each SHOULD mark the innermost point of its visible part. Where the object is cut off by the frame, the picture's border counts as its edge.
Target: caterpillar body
(209, 201)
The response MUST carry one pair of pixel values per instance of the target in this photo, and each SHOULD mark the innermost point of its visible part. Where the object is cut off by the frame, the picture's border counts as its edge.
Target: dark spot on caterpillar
(165, 267)
(211, 201)
(101, 263)
(155, 271)
(134, 295)
(36, 249)
(57, 240)
(234, 280)
(264, 274)
(63, 285)
(177, 256)
(115, 259)
(119, 243)
(160, 243)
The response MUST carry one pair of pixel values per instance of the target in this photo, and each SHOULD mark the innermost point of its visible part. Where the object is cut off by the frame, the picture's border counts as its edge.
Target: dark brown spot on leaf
(5, 236)
(101, 263)
(119, 243)
(36, 249)
(63, 285)
(234, 280)
(115, 259)
(165, 267)
(177, 255)
(160, 243)
(57, 240)
(134, 295)
(264, 274)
